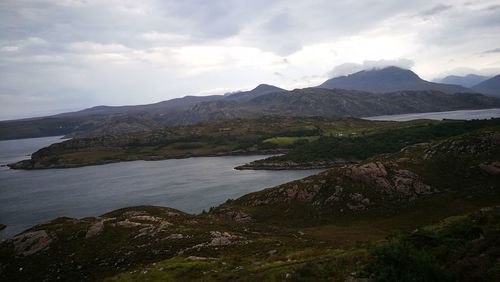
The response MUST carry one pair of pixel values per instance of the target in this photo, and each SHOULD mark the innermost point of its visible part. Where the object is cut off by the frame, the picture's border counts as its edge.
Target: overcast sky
(66, 55)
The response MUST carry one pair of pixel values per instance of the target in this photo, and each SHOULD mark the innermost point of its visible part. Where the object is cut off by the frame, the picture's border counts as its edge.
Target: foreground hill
(489, 87)
(329, 226)
(389, 79)
(263, 100)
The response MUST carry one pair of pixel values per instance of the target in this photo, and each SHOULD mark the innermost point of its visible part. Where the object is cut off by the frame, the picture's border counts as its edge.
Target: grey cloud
(435, 10)
(496, 50)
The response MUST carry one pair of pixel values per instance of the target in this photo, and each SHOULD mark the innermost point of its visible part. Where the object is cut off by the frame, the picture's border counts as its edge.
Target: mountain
(489, 87)
(389, 79)
(299, 102)
(260, 90)
(169, 104)
(465, 81)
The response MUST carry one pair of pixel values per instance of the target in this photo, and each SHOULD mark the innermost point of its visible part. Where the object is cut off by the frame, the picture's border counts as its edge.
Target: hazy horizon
(59, 56)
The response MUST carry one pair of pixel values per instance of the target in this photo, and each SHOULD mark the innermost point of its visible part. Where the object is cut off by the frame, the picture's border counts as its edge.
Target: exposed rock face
(370, 173)
(221, 238)
(97, 227)
(235, 215)
(29, 243)
(401, 182)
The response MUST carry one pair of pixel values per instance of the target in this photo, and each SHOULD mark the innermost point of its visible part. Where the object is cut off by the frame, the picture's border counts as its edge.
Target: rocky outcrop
(400, 182)
(234, 215)
(32, 242)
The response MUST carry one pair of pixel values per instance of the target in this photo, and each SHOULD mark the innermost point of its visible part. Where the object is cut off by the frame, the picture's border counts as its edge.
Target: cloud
(438, 9)
(78, 52)
(496, 50)
(349, 68)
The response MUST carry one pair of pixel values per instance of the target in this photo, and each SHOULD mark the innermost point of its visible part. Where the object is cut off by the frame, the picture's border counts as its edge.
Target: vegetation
(360, 144)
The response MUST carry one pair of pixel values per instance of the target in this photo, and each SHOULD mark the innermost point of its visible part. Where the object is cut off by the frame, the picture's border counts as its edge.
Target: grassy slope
(298, 230)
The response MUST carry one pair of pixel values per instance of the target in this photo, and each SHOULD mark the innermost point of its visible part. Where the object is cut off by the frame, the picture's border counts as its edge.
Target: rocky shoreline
(288, 165)
(33, 164)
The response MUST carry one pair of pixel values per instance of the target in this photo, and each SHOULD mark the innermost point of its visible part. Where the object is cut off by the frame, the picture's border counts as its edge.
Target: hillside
(355, 145)
(389, 79)
(355, 221)
(489, 87)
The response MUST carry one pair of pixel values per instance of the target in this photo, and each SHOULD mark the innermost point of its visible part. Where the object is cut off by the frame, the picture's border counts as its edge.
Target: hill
(389, 79)
(489, 87)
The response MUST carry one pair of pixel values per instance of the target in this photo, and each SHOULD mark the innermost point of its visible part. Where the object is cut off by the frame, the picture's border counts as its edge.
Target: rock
(145, 218)
(95, 229)
(235, 215)
(128, 224)
(175, 236)
(401, 183)
(370, 173)
(29, 243)
(221, 239)
(272, 252)
(493, 168)
(2, 226)
(199, 258)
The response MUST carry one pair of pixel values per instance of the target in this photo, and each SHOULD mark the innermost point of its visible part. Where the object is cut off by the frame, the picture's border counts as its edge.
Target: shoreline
(29, 165)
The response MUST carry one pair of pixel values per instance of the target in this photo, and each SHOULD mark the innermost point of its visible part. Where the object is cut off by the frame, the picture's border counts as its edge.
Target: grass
(285, 141)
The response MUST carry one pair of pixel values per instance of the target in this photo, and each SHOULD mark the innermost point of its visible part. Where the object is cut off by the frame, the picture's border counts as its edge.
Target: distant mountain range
(469, 80)
(391, 91)
(489, 87)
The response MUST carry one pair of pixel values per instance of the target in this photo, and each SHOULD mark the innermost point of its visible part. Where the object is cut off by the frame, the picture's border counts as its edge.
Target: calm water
(191, 185)
(464, 115)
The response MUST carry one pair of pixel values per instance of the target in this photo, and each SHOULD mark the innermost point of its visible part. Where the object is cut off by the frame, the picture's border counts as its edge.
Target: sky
(59, 56)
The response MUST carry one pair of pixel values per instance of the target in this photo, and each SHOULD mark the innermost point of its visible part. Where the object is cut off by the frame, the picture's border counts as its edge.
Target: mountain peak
(466, 81)
(266, 87)
(261, 89)
(390, 72)
(388, 79)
